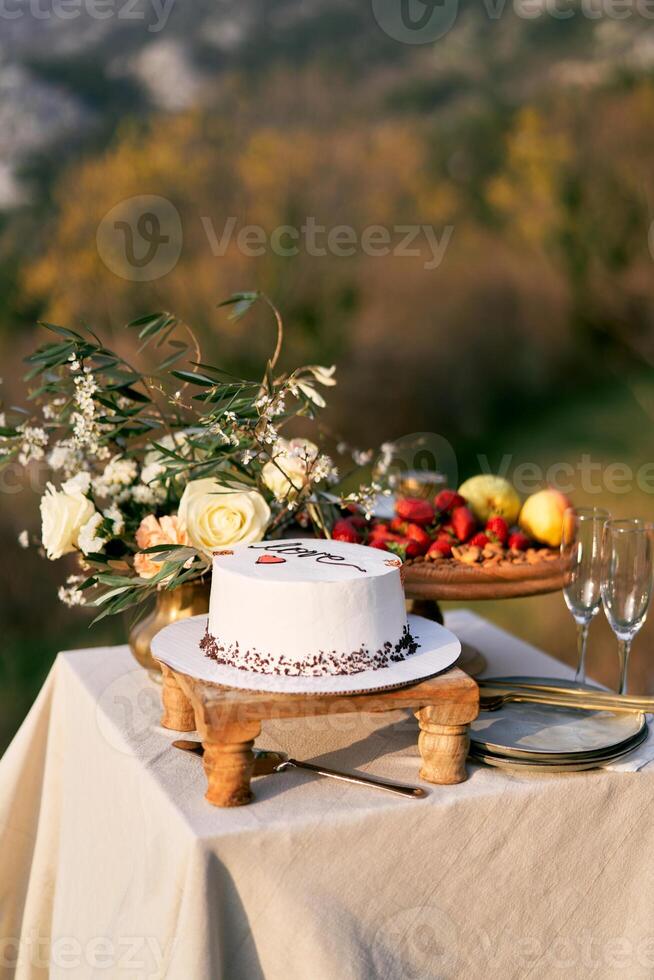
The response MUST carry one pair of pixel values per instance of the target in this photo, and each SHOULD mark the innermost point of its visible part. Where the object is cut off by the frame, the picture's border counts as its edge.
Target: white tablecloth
(113, 865)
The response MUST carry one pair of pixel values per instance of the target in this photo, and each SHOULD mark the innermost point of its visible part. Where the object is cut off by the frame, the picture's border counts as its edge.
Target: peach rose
(166, 530)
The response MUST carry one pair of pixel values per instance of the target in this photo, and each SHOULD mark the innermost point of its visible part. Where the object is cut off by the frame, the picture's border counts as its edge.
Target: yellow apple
(489, 495)
(541, 516)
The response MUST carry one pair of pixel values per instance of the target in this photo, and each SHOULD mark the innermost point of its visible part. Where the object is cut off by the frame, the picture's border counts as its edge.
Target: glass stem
(624, 648)
(582, 642)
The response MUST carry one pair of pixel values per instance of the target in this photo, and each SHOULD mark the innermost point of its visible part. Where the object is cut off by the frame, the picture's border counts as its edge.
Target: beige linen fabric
(113, 865)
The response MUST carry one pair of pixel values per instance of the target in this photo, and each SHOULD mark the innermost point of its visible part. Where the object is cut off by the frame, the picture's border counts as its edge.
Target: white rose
(62, 517)
(215, 516)
(288, 473)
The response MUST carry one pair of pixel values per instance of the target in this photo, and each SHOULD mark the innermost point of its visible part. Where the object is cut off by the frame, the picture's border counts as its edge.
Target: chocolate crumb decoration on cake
(306, 608)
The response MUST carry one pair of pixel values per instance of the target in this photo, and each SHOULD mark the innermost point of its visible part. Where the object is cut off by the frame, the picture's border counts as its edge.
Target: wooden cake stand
(229, 720)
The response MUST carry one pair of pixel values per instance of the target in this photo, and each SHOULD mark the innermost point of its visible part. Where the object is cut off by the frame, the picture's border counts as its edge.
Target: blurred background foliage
(533, 339)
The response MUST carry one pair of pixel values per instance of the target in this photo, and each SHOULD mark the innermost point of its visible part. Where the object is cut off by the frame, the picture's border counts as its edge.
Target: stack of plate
(543, 737)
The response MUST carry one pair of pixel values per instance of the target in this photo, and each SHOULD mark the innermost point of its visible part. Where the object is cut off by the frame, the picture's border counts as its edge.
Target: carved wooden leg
(178, 711)
(443, 749)
(229, 762)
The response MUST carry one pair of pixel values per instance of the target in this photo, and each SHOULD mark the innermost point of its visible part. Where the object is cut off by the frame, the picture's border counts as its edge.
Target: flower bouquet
(150, 473)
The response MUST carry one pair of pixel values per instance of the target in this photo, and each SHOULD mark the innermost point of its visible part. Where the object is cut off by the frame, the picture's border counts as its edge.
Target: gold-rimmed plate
(558, 764)
(545, 733)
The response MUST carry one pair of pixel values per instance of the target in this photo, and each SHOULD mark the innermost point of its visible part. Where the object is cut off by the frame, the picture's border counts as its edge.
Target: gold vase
(189, 599)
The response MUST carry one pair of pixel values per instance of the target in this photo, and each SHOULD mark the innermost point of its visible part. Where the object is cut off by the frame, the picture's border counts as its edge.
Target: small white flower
(115, 515)
(117, 476)
(150, 495)
(71, 596)
(61, 457)
(80, 483)
(24, 539)
(88, 539)
(34, 439)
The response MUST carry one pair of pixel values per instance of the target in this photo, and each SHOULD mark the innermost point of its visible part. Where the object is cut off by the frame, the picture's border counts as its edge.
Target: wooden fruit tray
(449, 578)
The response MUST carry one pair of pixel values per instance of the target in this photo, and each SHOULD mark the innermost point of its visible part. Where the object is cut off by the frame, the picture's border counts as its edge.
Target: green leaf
(62, 331)
(195, 379)
(133, 394)
(142, 321)
(241, 302)
(172, 358)
(110, 595)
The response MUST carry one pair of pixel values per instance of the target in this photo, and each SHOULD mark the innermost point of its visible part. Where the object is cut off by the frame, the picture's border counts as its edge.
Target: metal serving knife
(266, 763)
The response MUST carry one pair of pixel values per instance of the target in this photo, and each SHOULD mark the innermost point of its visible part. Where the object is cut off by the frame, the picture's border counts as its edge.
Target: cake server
(269, 762)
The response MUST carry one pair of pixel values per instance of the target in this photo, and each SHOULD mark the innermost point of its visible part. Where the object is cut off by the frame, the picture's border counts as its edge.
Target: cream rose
(215, 516)
(288, 473)
(62, 517)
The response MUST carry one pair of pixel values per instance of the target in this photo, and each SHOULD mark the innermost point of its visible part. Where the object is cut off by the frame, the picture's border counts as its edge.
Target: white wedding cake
(306, 608)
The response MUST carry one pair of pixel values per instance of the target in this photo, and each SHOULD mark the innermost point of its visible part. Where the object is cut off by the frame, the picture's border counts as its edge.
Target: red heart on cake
(269, 560)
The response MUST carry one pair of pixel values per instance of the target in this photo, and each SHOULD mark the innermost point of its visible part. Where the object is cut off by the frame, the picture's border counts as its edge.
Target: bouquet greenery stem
(152, 473)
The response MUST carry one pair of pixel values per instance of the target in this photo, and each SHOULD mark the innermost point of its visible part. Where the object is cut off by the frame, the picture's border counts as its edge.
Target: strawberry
(381, 537)
(398, 525)
(413, 549)
(379, 543)
(418, 534)
(441, 548)
(463, 523)
(344, 530)
(497, 530)
(447, 500)
(415, 510)
(358, 521)
(519, 541)
(479, 540)
(405, 548)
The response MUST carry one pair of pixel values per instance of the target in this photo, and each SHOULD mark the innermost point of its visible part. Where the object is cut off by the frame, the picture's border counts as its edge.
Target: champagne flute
(626, 583)
(581, 544)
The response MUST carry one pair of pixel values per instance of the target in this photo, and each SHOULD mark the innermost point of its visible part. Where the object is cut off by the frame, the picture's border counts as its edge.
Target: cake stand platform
(229, 720)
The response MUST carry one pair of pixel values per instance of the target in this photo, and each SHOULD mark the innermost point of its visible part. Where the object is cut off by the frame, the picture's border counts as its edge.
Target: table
(113, 865)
